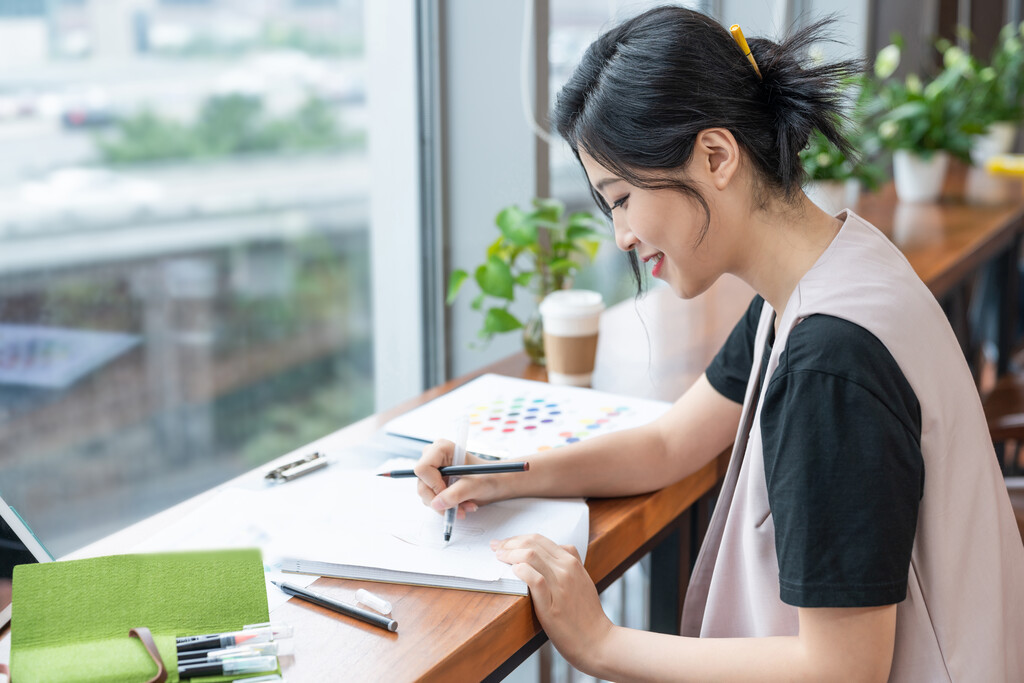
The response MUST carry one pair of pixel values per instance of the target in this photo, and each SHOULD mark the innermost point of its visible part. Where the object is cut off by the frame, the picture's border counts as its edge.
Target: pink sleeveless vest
(963, 618)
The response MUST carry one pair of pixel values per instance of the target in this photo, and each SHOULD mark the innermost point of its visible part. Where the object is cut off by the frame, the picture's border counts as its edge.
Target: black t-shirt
(841, 432)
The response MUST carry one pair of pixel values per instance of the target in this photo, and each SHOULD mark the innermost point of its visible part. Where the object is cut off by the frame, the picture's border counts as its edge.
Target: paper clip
(294, 470)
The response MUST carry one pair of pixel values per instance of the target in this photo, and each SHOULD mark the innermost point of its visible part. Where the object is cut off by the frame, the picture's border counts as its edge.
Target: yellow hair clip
(737, 35)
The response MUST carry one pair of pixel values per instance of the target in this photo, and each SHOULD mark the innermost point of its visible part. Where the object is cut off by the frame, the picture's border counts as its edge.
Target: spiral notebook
(377, 529)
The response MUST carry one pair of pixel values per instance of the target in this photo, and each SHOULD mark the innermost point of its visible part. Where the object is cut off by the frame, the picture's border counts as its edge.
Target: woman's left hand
(564, 597)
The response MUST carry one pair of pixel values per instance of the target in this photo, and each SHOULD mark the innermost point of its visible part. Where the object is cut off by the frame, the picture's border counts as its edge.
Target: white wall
(489, 149)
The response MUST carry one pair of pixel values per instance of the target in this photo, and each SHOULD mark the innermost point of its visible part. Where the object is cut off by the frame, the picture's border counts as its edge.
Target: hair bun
(800, 98)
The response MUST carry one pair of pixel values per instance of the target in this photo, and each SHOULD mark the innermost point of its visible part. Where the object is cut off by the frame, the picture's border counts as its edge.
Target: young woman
(863, 531)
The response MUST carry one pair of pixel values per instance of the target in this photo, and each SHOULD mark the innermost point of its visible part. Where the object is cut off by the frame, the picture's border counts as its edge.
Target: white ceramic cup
(571, 319)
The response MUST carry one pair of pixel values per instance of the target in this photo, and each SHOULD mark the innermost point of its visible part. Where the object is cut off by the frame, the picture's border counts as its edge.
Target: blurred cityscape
(184, 284)
(184, 243)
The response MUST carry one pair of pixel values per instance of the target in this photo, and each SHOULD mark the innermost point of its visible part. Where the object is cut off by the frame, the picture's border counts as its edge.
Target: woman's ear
(718, 154)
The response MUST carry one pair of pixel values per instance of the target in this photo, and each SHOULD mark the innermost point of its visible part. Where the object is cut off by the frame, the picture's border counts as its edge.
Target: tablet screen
(13, 551)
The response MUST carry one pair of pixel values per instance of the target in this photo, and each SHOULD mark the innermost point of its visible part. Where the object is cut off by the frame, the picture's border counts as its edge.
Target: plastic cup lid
(572, 303)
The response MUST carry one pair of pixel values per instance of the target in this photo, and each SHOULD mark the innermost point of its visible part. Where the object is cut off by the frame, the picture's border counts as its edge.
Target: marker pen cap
(280, 630)
(284, 647)
(253, 665)
(375, 601)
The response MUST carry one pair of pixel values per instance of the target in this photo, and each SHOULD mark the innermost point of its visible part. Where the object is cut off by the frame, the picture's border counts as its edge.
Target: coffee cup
(571, 318)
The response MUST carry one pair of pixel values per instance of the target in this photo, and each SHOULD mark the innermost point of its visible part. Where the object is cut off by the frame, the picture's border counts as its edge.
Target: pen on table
(463, 470)
(458, 460)
(344, 608)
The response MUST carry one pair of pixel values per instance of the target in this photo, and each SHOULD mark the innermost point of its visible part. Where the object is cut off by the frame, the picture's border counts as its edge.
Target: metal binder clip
(294, 470)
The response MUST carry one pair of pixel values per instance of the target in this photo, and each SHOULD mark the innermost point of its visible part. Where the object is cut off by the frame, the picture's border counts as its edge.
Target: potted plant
(539, 251)
(921, 122)
(999, 95)
(834, 180)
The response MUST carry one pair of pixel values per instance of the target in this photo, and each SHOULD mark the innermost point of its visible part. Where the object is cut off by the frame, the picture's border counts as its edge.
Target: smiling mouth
(658, 259)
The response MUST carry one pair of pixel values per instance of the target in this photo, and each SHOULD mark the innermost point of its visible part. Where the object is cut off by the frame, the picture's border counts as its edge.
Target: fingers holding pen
(457, 494)
(433, 489)
(434, 457)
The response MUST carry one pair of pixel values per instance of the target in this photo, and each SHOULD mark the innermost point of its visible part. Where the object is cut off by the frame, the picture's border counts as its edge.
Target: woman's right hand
(468, 493)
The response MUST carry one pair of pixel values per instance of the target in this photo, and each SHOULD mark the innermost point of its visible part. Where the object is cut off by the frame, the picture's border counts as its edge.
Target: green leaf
(495, 278)
(910, 110)
(550, 207)
(497, 247)
(455, 284)
(500, 320)
(478, 302)
(590, 249)
(516, 227)
(562, 266)
(584, 219)
(578, 232)
(524, 279)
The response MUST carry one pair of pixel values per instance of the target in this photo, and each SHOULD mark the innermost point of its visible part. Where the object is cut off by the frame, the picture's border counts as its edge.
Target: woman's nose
(624, 238)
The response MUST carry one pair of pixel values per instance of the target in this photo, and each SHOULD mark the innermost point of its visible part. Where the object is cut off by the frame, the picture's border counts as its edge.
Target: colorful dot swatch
(513, 417)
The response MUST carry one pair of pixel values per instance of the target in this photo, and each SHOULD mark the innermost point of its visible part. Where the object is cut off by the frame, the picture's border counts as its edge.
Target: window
(184, 249)
(574, 25)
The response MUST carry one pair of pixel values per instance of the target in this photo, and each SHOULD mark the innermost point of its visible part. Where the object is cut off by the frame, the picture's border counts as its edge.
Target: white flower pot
(918, 179)
(997, 140)
(832, 196)
(829, 195)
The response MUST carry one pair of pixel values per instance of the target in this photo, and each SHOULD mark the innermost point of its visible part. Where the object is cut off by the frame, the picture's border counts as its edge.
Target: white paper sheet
(512, 417)
(352, 517)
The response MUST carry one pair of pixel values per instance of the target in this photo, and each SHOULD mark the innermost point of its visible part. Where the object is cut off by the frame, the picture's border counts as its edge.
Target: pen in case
(227, 667)
(215, 641)
(247, 650)
(341, 607)
(463, 470)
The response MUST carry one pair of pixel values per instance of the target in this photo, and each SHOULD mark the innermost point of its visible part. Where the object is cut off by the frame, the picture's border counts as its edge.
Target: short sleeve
(730, 369)
(841, 431)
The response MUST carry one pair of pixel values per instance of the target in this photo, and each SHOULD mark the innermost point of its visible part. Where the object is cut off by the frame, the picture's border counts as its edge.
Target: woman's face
(664, 227)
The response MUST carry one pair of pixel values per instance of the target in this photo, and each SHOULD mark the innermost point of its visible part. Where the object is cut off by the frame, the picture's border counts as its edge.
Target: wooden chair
(1004, 411)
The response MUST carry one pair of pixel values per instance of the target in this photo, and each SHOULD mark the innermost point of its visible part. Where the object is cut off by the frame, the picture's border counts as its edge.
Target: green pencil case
(70, 621)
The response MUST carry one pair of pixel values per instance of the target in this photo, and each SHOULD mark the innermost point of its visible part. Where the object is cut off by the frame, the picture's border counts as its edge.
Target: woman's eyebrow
(605, 182)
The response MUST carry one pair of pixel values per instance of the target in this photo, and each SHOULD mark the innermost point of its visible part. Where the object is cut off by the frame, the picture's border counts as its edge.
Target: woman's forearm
(830, 651)
(692, 432)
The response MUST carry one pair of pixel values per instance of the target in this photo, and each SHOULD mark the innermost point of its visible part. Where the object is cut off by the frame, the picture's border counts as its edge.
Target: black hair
(644, 90)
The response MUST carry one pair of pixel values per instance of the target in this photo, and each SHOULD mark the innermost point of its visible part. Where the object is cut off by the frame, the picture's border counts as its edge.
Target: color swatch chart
(510, 417)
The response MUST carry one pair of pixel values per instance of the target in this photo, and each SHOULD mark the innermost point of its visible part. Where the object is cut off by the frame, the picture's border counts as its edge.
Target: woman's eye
(620, 203)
